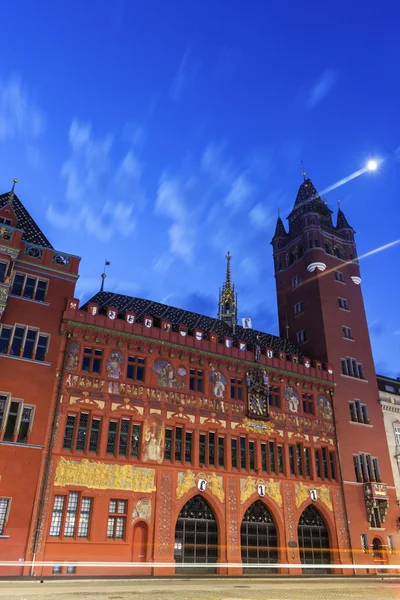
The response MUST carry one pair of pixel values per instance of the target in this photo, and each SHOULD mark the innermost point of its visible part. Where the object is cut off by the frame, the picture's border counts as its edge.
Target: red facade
(149, 435)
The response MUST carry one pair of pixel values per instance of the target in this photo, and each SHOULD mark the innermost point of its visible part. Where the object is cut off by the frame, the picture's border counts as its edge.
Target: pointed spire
(303, 171)
(11, 195)
(228, 280)
(280, 228)
(306, 193)
(227, 305)
(342, 222)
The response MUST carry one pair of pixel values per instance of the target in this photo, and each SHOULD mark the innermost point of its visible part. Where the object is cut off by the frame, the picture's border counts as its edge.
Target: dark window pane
(94, 435)
(29, 343)
(82, 431)
(178, 444)
(24, 425)
(4, 339)
(264, 457)
(17, 285)
(29, 287)
(188, 447)
(41, 290)
(272, 458)
(96, 365)
(211, 449)
(221, 452)
(3, 267)
(41, 347)
(251, 456)
(11, 422)
(291, 460)
(135, 441)
(17, 341)
(202, 456)
(243, 453)
(69, 432)
(112, 437)
(168, 444)
(280, 460)
(123, 437)
(234, 452)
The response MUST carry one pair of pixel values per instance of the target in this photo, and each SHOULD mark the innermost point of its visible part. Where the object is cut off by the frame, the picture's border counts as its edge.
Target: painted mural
(292, 398)
(324, 408)
(153, 439)
(218, 383)
(73, 356)
(166, 376)
(114, 364)
(142, 510)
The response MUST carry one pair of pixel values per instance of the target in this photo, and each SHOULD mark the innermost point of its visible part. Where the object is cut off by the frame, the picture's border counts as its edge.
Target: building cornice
(196, 351)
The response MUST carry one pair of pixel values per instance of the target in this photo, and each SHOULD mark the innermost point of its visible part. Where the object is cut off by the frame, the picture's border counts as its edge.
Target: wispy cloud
(240, 193)
(19, 116)
(184, 76)
(321, 87)
(102, 194)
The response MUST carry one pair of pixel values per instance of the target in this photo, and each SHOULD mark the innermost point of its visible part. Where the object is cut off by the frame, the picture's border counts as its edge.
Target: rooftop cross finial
(279, 212)
(103, 275)
(303, 171)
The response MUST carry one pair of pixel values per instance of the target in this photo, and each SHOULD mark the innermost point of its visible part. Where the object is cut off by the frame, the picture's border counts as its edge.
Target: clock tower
(321, 309)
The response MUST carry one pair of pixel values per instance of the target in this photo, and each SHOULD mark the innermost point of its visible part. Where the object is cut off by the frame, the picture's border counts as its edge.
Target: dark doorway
(313, 541)
(259, 539)
(196, 537)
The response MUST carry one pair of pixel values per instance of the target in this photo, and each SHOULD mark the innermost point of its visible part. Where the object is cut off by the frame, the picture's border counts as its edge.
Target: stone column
(164, 532)
(233, 522)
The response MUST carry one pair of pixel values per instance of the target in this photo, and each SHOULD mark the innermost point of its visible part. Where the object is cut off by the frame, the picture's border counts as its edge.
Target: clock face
(258, 404)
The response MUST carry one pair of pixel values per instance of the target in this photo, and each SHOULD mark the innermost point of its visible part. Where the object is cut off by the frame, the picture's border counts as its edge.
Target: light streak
(168, 565)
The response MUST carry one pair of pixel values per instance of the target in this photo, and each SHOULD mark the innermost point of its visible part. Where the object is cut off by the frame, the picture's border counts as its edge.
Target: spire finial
(11, 195)
(303, 171)
(228, 270)
(279, 212)
(103, 275)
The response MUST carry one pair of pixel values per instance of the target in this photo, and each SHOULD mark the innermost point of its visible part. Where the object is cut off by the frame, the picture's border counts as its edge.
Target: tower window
(352, 368)
(339, 276)
(347, 332)
(302, 336)
(296, 281)
(359, 412)
(343, 304)
(299, 308)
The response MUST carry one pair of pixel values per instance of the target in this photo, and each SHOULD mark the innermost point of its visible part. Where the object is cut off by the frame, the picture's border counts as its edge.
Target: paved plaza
(204, 589)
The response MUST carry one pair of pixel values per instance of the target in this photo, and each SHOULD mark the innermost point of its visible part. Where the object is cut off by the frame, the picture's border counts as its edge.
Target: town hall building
(136, 432)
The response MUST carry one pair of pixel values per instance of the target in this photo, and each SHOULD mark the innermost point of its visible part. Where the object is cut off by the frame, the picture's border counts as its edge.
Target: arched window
(313, 540)
(196, 536)
(259, 538)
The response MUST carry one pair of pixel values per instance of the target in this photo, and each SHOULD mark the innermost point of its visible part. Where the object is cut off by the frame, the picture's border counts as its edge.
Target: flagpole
(103, 275)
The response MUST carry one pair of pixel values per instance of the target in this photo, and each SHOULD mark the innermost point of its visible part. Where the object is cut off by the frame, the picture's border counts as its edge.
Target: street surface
(203, 589)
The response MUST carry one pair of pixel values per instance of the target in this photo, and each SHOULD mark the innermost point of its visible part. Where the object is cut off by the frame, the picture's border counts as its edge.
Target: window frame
(92, 357)
(301, 337)
(77, 516)
(339, 276)
(343, 304)
(347, 332)
(296, 281)
(4, 521)
(298, 308)
(196, 378)
(16, 431)
(21, 350)
(26, 276)
(237, 388)
(132, 362)
(114, 516)
(117, 444)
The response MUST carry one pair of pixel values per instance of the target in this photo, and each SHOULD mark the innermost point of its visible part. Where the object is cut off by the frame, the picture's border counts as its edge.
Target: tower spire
(303, 171)
(227, 305)
(11, 197)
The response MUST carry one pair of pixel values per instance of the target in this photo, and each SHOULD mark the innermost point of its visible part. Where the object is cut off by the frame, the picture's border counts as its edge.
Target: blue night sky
(160, 134)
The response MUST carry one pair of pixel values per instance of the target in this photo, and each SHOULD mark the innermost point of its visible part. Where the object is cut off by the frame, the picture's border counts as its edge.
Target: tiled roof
(176, 316)
(342, 222)
(280, 230)
(31, 232)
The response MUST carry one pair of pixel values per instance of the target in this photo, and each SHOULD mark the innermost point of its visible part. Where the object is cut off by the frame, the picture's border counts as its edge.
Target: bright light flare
(372, 165)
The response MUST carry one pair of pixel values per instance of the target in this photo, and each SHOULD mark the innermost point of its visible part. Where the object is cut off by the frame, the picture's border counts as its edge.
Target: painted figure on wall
(73, 356)
(142, 510)
(153, 443)
(324, 407)
(218, 383)
(114, 364)
(292, 398)
(166, 376)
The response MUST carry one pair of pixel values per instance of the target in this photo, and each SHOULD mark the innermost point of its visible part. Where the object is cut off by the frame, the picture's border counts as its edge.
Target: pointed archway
(196, 537)
(259, 539)
(314, 543)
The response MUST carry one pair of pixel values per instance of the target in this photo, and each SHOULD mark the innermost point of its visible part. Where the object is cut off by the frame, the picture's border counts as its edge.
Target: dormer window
(5, 221)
